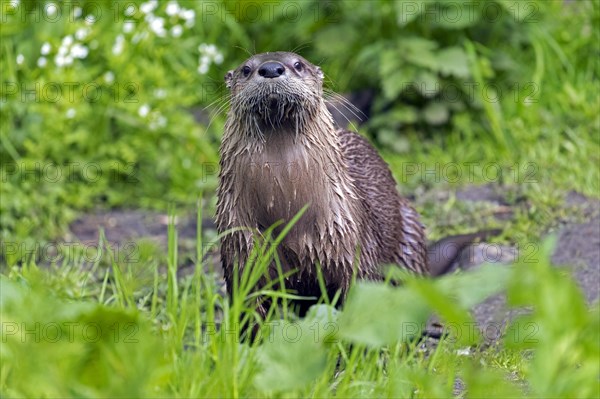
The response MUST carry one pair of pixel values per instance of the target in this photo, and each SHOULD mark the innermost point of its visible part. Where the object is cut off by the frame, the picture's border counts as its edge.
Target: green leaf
(436, 114)
(427, 84)
(291, 358)
(94, 350)
(419, 51)
(408, 11)
(473, 287)
(392, 139)
(453, 61)
(455, 15)
(362, 320)
(394, 74)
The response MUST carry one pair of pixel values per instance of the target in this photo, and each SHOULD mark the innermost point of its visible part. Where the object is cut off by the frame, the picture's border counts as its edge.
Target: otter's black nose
(271, 69)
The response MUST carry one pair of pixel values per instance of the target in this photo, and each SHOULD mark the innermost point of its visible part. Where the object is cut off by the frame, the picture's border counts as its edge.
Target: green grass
(72, 331)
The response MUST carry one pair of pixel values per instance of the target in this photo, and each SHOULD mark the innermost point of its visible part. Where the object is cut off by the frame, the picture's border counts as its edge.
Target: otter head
(275, 90)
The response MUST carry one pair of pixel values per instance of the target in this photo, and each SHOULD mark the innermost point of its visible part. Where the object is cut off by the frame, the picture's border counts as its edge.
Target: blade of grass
(503, 137)
(172, 288)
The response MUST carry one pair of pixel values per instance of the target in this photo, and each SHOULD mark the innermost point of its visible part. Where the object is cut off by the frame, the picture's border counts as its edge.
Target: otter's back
(395, 223)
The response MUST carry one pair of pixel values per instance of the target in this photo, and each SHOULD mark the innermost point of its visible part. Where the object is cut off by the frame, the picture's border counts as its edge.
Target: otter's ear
(228, 79)
(320, 73)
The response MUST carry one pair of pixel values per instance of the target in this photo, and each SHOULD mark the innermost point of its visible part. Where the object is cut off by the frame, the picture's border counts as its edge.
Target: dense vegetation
(123, 331)
(121, 104)
(97, 100)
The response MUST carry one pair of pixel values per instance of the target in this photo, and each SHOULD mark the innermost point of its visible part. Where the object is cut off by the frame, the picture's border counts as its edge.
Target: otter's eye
(246, 70)
(298, 66)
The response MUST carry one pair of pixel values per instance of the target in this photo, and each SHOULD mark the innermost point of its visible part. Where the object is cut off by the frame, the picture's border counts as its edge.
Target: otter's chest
(280, 180)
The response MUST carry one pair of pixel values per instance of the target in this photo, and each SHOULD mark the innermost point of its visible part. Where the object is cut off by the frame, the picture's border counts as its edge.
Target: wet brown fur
(281, 151)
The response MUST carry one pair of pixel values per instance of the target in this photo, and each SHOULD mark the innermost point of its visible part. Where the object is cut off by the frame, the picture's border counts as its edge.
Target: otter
(281, 151)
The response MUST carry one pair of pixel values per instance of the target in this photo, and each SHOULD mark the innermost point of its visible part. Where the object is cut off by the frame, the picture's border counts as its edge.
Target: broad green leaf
(436, 113)
(453, 61)
(378, 315)
(291, 358)
(473, 287)
(419, 52)
(427, 84)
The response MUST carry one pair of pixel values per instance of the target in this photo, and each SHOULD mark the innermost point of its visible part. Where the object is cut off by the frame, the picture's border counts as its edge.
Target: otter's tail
(443, 253)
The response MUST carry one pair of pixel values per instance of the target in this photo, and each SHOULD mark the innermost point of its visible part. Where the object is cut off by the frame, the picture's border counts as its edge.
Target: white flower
(79, 51)
(14, 4)
(51, 9)
(67, 40)
(172, 8)
(157, 120)
(160, 93)
(149, 6)
(158, 26)
(210, 50)
(128, 26)
(463, 352)
(176, 31)
(118, 46)
(208, 54)
(63, 60)
(203, 69)
(130, 10)
(59, 60)
(45, 50)
(90, 19)
(77, 12)
(62, 50)
(187, 14)
(71, 113)
(109, 77)
(144, 110)
(41, 62)
(82, 33)
(20, 59)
